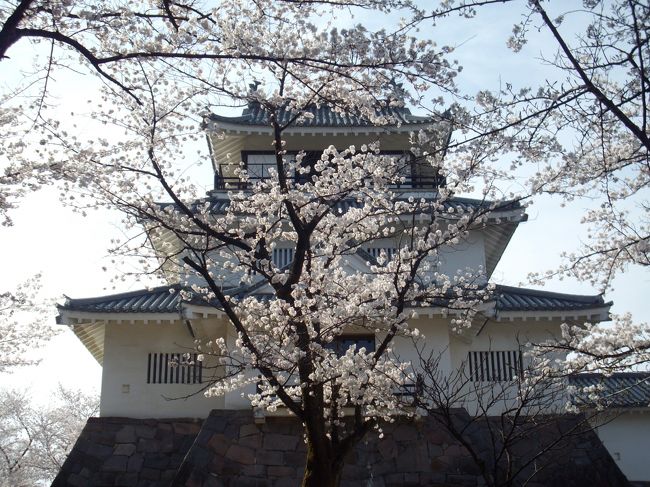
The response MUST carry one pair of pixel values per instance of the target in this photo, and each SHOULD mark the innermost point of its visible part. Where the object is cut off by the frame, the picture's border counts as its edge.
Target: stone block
(167, 445)
(103, 438)
(407, 460)
(216, 464)
(248, 430)
(166, 476)
(212, 481)
(455, 451)
(254, 471)
(285, 482)
(200, 457)
(99, 451)
(135, 463)
(232, 431)
(266, 457)
(231, 469)
(355, 472)
(436, 435)
(394, 480)
(434, 450)
(203, 437)
(293, 458)
(75, 481)
(387, 449)
(275, 441)
(149, 474)
(250, 482)
(216, 423)
(219, 444)
(387, 466)
(126, 434)
(281, 471)
(405, 432)
(185, 428)
(158, 461)
(143, 431)
(439, 464)
(462, 480)
(127, 480)
(126, 449)
(115, 464)
(241, 454)
(254, 442)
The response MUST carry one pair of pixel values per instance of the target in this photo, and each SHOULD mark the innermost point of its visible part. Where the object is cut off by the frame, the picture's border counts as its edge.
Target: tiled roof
(621, 390)
(521, 299)
(323, 116)
(167, 299)
(164, 299)
(219, 205)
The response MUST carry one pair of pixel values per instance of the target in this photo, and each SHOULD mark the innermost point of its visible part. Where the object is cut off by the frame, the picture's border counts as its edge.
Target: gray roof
(163, 299)
(323, 116)
(521, 299)
(620, 390)
(167, 299)
(219, 205)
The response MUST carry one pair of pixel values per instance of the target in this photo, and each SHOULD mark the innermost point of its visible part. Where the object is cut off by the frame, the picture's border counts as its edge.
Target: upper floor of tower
(246, 141)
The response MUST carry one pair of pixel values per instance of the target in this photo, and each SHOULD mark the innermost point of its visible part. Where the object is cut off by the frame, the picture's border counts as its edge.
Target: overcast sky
(70, 250)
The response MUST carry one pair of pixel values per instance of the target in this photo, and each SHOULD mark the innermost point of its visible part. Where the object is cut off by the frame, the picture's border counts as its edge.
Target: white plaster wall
(125, 364)
(469, 254)
(627, 438)
(501, 336)
(434, 340)
(497, 335)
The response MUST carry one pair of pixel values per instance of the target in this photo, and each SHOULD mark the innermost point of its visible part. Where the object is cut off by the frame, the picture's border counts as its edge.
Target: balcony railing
(260, 174)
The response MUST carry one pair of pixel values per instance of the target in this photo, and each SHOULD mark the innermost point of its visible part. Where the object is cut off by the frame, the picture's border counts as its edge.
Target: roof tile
(167, 299)
(620, 390)
(323, 116)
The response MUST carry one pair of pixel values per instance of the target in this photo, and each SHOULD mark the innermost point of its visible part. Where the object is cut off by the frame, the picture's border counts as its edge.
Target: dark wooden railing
(410, 182)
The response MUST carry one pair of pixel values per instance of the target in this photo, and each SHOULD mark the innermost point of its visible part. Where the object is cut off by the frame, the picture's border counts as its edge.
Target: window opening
(174, 368)
(388, 251)
(495, 366)
(341, 343)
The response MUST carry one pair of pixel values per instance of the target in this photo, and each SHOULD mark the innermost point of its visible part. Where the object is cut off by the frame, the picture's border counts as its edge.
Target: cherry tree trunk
(321, 470)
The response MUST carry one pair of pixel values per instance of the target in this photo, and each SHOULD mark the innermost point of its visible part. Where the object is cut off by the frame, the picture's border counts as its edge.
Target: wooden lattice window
(174, 368)
(282, 257)
(494, 366)
(376, 252)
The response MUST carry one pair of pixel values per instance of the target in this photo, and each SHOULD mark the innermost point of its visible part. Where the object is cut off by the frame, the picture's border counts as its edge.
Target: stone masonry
(230, 449)
(128, 452)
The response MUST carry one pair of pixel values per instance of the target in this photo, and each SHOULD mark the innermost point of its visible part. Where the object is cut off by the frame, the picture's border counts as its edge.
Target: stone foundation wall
(128, 453)
(230, 449)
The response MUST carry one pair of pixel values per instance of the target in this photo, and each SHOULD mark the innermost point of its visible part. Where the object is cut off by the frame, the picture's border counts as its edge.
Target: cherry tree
(22, 325)
(163, 66)
(580, 135)
(35, 440)
(527, 421)
(163, 63)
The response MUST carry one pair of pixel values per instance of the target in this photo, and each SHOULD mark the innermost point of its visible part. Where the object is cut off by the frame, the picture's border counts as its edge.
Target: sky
(70, 250)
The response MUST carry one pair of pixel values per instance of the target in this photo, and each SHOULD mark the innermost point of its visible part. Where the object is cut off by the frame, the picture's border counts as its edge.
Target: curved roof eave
(232, 127)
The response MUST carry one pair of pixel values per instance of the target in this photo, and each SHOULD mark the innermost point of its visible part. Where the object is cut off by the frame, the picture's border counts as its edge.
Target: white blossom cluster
(23, 327)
